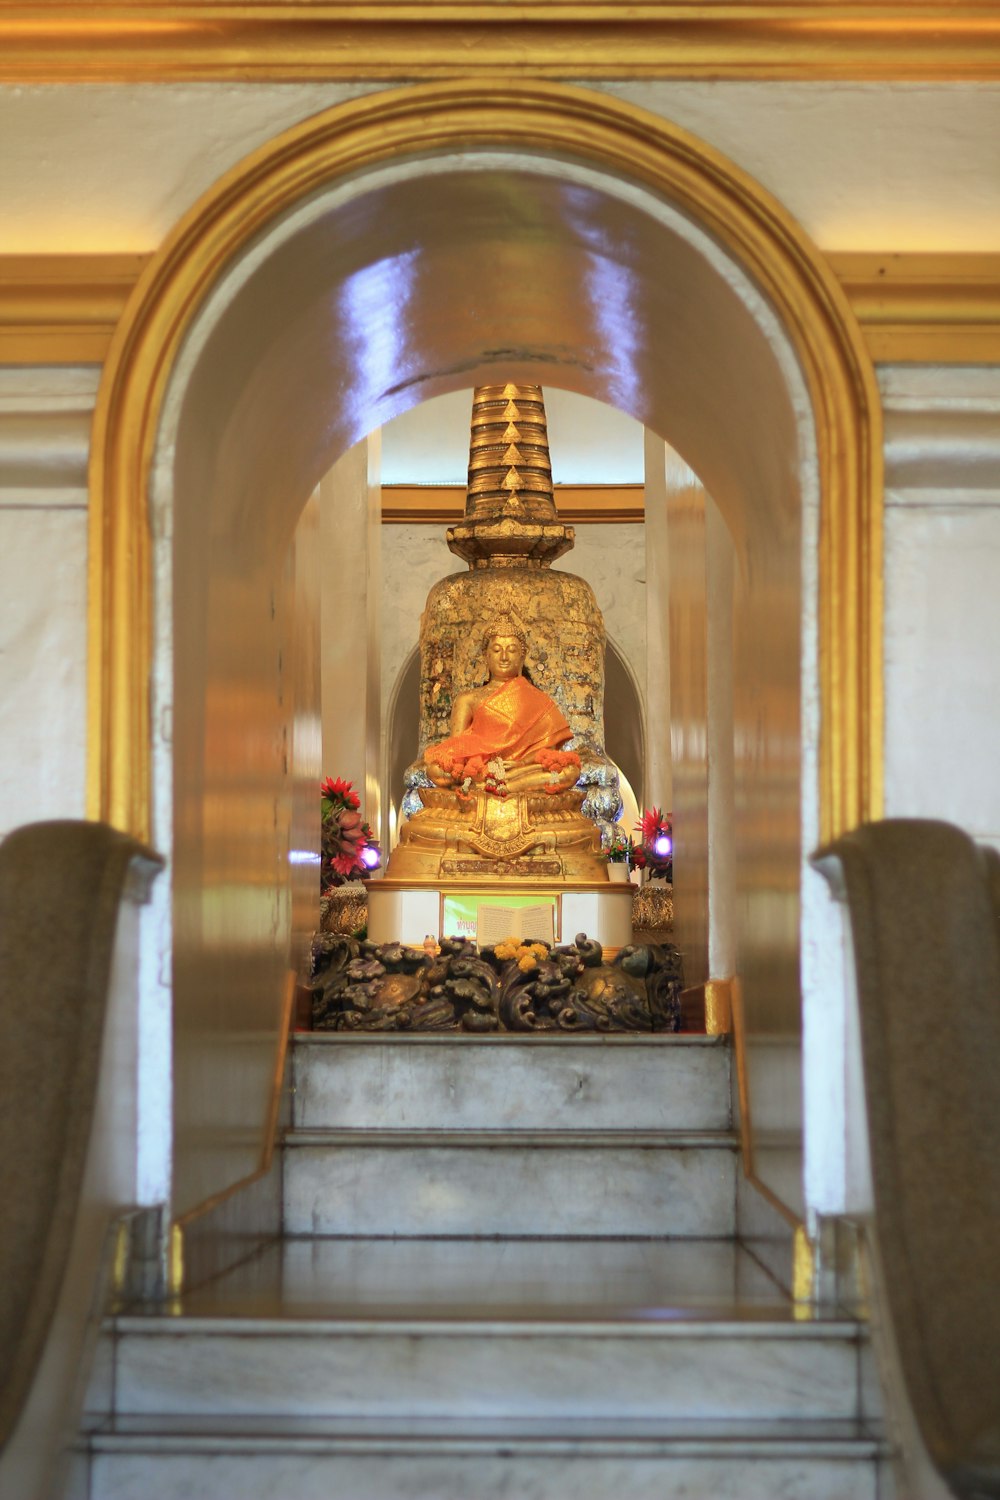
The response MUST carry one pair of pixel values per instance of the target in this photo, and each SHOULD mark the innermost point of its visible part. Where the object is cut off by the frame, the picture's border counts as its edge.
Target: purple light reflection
(613, 297)
(373, 306)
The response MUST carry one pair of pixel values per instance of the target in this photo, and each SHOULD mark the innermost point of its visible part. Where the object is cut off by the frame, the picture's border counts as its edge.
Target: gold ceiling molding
(925, 308)
(416, 40)
(913, 308)
(577, 504)
(62, 309)
(434, 120)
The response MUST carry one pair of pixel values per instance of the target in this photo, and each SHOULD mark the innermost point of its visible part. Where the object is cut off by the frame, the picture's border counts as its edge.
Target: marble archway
(392, 249)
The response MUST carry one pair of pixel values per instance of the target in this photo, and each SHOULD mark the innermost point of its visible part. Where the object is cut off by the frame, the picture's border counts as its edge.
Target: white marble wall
(942, 596)
(44, 428)
(352, 611)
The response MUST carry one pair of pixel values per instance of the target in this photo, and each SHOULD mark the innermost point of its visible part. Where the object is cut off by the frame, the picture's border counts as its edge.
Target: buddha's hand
(549, 771)
(563, 767)
(440, 766)
(448, 770)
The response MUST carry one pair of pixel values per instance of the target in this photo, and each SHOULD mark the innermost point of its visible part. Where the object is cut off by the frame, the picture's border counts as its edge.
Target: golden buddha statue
(501, 798)
(519, 785)
(508, 720)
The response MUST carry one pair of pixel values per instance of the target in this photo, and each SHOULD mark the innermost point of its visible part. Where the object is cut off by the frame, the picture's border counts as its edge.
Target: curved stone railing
(69, 898)
(924, 905)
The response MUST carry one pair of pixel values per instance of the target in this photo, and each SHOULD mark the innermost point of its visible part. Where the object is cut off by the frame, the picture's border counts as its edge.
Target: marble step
(624, 1367)
(510, 1182)
(181, 1459)
(557, 1330)
(483, 1083)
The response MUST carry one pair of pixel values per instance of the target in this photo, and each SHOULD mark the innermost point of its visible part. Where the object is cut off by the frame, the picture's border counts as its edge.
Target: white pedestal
(403, 913)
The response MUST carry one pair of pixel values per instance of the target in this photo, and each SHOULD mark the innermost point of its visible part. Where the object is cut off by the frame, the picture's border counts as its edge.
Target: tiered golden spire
(510, 513)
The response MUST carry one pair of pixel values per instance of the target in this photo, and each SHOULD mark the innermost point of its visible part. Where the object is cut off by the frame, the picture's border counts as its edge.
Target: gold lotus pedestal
(524, 835)
(492, 851)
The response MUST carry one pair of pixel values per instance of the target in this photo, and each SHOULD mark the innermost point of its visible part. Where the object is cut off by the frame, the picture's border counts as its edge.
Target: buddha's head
(504, 646)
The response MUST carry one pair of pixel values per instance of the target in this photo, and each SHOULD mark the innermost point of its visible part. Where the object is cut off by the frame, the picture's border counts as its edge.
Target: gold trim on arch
(427, 119)
(155, 41)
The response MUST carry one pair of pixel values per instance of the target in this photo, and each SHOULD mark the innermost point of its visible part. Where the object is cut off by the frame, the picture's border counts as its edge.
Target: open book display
(530, 924)
(509, 986)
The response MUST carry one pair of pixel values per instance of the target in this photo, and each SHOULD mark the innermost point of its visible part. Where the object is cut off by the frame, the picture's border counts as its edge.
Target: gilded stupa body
(509, 536)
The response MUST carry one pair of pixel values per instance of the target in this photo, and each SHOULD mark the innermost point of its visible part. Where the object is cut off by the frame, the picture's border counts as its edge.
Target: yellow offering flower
(526, 955)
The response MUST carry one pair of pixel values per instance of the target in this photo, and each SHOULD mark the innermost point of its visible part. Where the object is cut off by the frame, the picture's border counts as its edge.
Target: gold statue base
(530, 835)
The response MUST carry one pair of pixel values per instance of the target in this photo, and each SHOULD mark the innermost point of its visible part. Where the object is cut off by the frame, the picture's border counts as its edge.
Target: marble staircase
(509, 1269)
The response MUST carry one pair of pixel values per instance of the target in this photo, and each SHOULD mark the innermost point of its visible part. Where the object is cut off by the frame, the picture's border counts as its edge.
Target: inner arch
(422, 279)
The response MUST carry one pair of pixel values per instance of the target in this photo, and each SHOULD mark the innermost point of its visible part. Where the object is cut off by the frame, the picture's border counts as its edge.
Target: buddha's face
(504, 657)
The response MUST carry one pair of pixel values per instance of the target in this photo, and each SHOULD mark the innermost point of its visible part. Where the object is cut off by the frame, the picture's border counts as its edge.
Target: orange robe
(516, 722)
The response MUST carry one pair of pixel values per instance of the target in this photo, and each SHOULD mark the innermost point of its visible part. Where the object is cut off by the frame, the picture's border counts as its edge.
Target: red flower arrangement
(340, 791)
(654, 846)
(350, 849)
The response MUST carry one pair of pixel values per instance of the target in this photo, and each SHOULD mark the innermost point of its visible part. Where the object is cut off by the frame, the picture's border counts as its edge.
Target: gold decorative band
(577, 504)
(420, 40)
(919, 307)
(62, 309)
(913, 307)
(718, 1007)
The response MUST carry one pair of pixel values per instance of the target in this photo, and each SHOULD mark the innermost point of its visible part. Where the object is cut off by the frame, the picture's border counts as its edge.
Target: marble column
(685, 510)
(719, 580)
(350, 539)
(701, 569)
(658, 783)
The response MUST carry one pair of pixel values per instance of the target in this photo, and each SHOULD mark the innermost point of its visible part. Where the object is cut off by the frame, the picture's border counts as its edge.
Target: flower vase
(618, 873)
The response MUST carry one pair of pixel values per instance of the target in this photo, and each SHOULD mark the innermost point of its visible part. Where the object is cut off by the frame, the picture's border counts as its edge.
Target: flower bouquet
(654, 847)
(350, 850)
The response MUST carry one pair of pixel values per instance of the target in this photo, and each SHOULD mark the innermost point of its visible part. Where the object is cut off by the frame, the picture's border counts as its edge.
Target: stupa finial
(510, 512)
